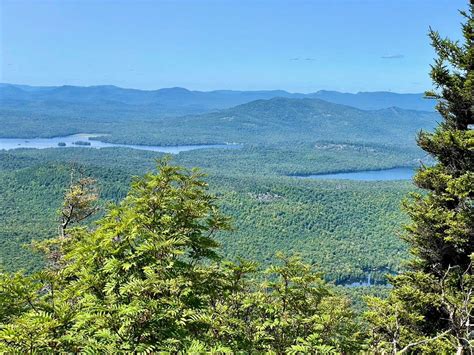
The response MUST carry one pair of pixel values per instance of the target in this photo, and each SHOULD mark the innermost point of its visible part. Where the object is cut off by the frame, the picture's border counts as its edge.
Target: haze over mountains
(179, 116)
(287, 120)
(182, 101)
(281, 135)
(348, 227)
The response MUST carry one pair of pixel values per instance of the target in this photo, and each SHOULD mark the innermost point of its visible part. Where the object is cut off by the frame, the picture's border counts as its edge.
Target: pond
(361, 283)
(83, 140)
(402, 173)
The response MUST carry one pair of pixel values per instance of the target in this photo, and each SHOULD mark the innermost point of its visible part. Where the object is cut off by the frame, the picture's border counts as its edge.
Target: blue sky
(295, 45)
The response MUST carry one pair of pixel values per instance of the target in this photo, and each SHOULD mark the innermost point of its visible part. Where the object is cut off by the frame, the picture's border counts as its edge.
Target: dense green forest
(149, 279)
(228, 251)
(279, 121)
(346, 229)
(270, 212)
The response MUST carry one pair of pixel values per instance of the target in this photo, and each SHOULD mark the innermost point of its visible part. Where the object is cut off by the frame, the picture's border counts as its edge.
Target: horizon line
(214, 90)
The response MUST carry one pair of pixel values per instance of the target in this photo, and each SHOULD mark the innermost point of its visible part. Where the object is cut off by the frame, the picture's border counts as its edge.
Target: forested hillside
(321, 220)
(283, 223)
(346, 229)
(282, 120)
(149, 278)
(278, 121)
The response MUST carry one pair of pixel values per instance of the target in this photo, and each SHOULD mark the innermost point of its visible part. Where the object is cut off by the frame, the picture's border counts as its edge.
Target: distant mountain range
(284, 120)
(179, 116)
(182, 101)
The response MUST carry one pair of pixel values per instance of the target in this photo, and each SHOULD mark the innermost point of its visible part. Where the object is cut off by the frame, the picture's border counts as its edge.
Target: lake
(361, 283)
(366, 175)
(83, 141)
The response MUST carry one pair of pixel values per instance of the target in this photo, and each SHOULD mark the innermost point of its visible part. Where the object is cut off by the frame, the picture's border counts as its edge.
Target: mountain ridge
(205, 101)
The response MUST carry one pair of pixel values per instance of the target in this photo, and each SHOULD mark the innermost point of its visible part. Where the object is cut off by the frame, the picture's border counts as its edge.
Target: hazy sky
(303, 46)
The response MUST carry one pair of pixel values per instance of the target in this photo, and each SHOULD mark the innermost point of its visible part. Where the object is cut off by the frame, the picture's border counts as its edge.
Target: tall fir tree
(431, 306)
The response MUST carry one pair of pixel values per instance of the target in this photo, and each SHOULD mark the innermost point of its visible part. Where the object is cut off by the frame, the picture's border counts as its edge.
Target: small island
(81, 143)
(61, 144)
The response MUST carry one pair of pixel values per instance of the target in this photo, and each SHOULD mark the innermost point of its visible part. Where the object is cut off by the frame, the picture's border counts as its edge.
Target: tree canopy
(431, 306)
(148, 277)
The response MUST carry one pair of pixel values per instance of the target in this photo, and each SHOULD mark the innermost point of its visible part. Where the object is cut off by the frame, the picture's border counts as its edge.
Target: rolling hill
(283, 120)
(118, 113)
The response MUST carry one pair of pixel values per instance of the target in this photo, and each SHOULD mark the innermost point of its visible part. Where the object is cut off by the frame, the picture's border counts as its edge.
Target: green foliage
(346, 229)
(80, 203)
(262, 122)
(431, 307)
(29, 198)
(148, 279)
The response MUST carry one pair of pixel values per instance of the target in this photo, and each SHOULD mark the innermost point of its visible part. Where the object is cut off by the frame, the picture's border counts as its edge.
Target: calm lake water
(361, 283)
(72, 141)
(367, 175)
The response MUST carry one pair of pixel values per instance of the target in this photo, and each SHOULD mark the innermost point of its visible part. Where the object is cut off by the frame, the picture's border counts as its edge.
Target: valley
(348, 229)
(237, 177)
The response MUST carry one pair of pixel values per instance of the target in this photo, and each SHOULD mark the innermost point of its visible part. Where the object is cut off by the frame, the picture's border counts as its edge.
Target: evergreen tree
(431, 306)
